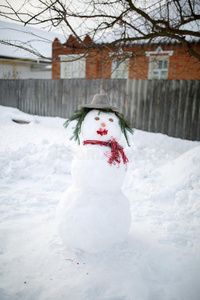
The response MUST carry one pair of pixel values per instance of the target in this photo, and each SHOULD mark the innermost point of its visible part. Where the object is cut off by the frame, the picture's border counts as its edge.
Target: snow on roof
(38, 41)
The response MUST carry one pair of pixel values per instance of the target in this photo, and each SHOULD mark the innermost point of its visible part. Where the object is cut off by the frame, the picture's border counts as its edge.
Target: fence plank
(146, 114)
(173, 97)
(168, 106)
(187, 111)
(195, 122)
(152, 106)
(157, 106)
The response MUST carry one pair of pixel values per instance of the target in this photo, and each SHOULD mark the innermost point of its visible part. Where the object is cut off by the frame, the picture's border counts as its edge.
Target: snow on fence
(171, 107)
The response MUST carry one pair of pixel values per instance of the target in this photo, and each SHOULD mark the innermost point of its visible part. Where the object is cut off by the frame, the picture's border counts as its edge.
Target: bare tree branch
(110, 23)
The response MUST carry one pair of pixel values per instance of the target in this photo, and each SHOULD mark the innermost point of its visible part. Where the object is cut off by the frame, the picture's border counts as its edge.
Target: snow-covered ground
(159, 261)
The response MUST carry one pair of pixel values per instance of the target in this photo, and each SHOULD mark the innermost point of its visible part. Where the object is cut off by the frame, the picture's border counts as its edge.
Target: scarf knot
(116, 150)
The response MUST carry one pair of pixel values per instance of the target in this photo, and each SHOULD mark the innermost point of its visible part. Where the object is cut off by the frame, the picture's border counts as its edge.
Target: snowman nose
(103, 124)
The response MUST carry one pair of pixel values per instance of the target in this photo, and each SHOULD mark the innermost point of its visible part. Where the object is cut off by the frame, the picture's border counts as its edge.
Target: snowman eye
(111, 120)
(97, 118)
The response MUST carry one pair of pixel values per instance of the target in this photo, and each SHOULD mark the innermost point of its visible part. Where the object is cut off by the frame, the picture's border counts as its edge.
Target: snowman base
(92, 220)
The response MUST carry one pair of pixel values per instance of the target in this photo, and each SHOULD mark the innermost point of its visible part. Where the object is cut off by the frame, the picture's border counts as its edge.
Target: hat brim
(101, 106)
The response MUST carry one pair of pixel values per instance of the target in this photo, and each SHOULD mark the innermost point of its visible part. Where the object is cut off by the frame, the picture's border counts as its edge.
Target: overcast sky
(17, 4)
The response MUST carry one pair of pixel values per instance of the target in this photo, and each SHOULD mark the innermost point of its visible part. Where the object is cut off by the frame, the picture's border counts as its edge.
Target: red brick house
(158, 61)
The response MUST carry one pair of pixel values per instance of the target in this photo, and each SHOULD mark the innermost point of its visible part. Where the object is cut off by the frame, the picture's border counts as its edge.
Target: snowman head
(100, 125)
(99, 121)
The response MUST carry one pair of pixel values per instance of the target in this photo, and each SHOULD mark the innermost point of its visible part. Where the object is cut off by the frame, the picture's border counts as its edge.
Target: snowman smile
(102, 131)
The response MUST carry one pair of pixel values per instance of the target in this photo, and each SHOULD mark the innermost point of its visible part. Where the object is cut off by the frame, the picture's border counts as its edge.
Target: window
(159, 63)
(120, 68)
(158, 67)
(72, 66)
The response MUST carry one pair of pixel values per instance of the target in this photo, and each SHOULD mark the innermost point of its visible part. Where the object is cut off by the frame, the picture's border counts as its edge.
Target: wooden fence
(171, 107)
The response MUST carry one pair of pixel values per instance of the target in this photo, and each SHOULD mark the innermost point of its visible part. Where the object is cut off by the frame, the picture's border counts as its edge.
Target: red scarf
(116, 150)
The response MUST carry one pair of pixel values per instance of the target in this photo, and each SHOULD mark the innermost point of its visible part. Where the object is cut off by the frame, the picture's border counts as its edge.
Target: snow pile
(160, 259)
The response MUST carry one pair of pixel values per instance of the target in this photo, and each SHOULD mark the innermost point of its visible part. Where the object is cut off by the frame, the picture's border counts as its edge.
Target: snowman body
(94, 214)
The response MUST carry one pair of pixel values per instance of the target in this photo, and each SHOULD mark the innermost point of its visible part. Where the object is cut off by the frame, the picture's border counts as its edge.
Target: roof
(38, 41)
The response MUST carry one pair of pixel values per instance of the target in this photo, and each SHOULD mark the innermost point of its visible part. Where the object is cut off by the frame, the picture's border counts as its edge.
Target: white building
(15, 61)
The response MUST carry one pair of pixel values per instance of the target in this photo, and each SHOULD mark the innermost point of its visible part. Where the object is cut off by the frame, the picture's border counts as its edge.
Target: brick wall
(182, 65)
(98, 61)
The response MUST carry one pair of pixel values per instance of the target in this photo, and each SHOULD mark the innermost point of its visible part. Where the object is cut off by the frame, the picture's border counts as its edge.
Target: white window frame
(120, 69)
(154, 58)
(72, 66)
(159, 65)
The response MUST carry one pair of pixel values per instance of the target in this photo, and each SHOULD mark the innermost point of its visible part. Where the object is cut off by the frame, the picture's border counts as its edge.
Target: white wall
(20, 71)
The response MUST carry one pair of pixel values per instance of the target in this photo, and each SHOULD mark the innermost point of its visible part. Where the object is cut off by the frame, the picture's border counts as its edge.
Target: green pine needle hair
(79, 116)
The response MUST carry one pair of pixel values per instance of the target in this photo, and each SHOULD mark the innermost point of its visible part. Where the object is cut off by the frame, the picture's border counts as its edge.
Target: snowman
(94, 214)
